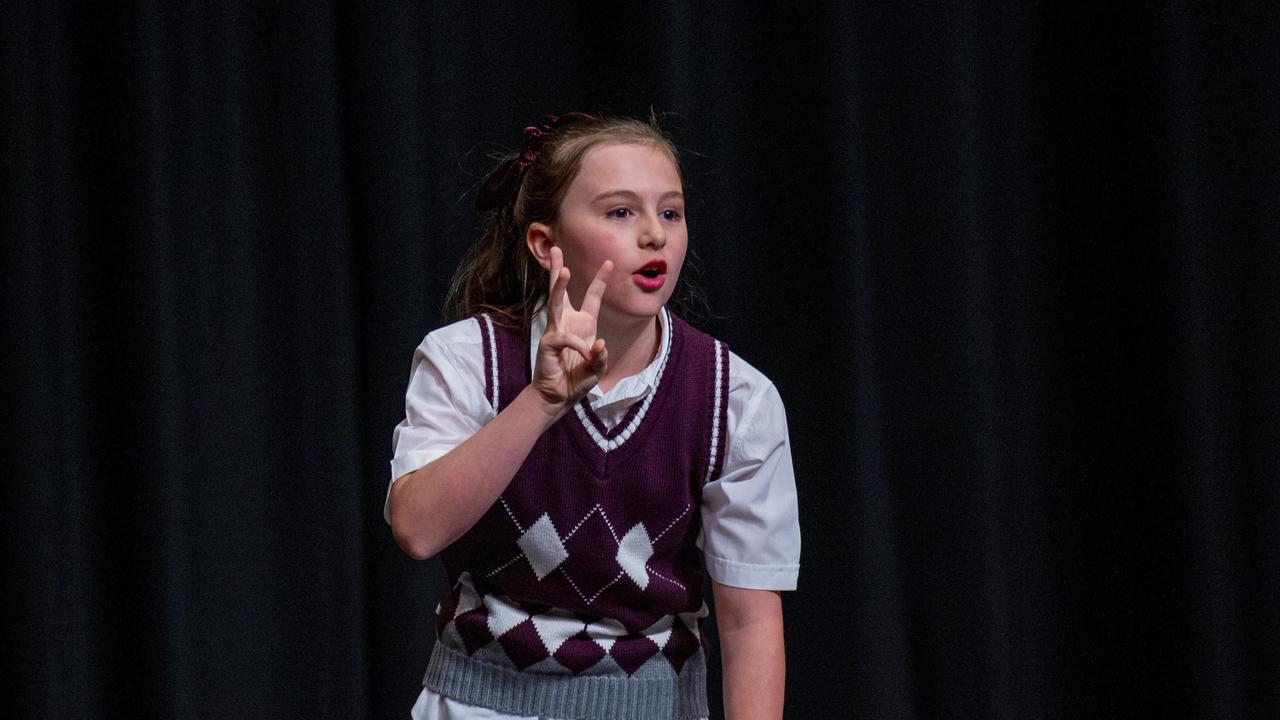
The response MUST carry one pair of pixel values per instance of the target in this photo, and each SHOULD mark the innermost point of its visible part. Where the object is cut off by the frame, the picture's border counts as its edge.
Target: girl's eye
(620, 212)
(672, 215)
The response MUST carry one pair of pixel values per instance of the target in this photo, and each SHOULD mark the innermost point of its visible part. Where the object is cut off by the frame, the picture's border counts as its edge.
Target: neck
(633, 343)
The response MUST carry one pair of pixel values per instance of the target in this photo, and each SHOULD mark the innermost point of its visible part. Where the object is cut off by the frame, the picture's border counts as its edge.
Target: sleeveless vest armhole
(491, 385)
(719, 441)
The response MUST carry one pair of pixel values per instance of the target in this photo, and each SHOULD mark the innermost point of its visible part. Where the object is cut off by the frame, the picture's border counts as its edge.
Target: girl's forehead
(642, 164)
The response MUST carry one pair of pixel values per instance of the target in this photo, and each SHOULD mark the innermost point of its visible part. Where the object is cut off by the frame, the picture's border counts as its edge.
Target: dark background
(1013, 268)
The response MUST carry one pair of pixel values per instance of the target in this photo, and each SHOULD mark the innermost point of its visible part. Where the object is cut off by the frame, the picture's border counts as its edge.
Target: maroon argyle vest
(598, 523)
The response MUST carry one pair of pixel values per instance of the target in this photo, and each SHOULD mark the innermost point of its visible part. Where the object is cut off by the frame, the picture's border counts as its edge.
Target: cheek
(591, 248)
(677, 263)
(605, 245)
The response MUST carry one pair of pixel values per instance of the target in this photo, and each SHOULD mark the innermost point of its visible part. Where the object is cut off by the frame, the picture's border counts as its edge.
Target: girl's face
(626, 205)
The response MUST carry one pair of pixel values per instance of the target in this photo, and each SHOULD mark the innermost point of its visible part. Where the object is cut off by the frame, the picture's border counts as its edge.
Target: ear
(539, 240)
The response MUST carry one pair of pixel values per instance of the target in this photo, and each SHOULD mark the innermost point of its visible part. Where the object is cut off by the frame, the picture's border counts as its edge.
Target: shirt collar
(629, 388)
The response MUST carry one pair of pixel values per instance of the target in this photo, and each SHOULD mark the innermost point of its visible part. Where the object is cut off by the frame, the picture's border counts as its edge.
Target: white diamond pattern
(634, 552)
(502, 615)
(660, 631)
(556, 626)
(606, 632)
(468, 598)
(553, 630)
(544, 549)
(542, 546)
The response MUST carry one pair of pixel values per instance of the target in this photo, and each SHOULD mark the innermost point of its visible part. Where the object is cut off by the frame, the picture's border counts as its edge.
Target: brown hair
(499, 275)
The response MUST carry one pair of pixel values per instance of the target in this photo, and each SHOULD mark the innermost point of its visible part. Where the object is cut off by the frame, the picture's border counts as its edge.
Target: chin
(647, 309)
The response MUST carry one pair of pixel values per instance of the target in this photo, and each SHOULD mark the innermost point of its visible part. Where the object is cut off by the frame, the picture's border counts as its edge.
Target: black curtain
(1013, 268)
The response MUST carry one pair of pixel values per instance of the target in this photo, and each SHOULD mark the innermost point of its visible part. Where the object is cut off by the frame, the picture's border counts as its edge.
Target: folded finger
(599, 356)
(558, 340)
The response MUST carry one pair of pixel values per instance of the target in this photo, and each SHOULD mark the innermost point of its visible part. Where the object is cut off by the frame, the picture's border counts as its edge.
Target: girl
(576, 453)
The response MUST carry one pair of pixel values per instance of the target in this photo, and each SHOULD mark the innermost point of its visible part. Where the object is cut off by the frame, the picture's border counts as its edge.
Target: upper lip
(659, 265)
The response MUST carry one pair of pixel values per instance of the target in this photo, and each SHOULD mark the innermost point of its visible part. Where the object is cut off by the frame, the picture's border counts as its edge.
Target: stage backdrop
(1012, 267)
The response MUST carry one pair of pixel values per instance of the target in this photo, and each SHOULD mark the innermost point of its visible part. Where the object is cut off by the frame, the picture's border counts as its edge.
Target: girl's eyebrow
(634, 197)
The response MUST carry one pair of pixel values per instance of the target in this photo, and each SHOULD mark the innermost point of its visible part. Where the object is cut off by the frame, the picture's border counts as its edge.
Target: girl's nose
(653, 235)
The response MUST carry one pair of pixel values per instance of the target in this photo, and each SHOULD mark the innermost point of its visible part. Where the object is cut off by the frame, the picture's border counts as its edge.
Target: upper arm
(751, 531)
(444, 402)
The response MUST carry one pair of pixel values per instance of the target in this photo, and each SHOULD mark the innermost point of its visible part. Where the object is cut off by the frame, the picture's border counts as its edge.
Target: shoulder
(755, 407)
(455, 335)
(747, 378)
(453, 352)
(448, 372)
(750, 390)
(458, 342)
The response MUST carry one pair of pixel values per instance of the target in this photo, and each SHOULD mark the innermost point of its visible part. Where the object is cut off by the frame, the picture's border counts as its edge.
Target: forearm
(752, 651)
(436, 504)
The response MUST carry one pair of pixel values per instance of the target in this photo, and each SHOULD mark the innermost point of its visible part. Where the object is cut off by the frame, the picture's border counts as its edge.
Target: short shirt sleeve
(750, 520)
(445, 402)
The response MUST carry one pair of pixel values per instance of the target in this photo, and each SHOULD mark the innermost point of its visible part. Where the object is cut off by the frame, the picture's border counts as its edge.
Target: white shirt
(750, 530)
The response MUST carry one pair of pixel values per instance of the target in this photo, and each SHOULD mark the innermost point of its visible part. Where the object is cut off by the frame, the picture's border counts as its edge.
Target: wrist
(549, 409)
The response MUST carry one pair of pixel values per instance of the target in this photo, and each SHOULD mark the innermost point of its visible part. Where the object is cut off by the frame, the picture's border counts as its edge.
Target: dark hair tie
(501, 185)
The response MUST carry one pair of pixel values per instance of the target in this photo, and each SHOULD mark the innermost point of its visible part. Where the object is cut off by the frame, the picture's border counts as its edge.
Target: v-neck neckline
(609, 440)
(647, 376)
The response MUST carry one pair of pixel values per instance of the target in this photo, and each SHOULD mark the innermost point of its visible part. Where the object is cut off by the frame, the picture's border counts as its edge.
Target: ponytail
(498, 275)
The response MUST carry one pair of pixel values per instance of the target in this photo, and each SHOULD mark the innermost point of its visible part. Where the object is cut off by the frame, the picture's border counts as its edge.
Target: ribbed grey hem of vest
(584, 697)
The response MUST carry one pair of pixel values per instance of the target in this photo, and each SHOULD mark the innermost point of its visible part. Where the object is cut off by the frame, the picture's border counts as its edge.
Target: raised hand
(571, 358)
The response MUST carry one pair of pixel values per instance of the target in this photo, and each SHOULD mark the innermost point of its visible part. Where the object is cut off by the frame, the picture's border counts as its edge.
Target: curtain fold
(1013, 268)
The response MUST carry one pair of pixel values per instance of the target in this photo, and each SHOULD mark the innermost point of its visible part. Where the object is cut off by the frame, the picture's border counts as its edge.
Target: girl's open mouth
(652, 275)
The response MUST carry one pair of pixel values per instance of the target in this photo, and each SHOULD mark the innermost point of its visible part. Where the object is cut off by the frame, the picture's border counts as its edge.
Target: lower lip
(649, 283)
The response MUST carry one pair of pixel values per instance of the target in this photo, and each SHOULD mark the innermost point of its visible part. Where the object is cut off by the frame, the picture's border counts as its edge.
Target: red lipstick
(652, 275)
